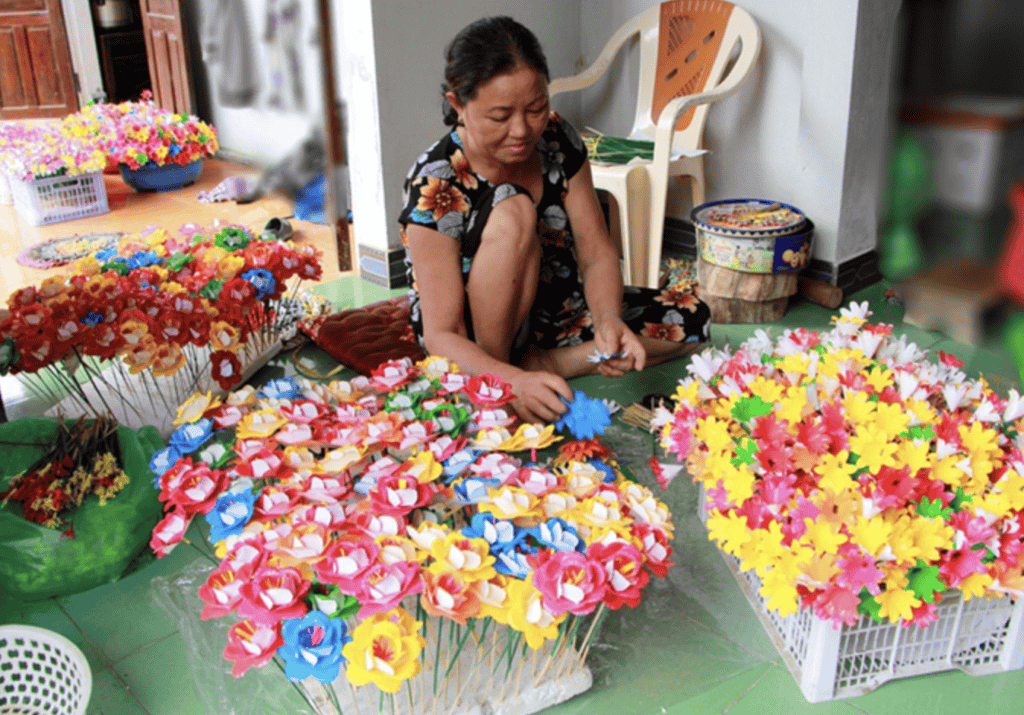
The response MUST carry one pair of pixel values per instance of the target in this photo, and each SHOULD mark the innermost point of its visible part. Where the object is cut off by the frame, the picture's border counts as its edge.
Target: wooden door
(167, 54)
(36, 76)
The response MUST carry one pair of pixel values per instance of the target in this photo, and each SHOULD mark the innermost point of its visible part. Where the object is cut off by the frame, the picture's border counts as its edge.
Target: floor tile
(109, 696)
(777, 692)
(120, 618)
(159, 677)
(648, 661)
(352, 291)
(948, 693)
(48, 614)
(716, 699)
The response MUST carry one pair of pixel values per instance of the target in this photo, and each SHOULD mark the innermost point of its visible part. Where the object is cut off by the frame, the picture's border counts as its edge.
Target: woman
(512, 269)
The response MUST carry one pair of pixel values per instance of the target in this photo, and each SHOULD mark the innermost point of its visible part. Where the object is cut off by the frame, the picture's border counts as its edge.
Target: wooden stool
(953, 299)
(741, 297)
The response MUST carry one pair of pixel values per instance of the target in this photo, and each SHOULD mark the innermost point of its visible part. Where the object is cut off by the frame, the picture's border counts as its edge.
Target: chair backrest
(686, 46)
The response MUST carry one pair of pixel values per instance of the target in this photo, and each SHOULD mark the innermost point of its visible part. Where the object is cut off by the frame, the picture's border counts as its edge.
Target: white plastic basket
(5, 189)
(41, 673)
(979, 636)
(59, 198)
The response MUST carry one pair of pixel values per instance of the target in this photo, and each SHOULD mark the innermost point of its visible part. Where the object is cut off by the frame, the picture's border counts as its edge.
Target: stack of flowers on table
(140, 133)
(857, 474)
(42, 150)
(135, 331)
(393, 531)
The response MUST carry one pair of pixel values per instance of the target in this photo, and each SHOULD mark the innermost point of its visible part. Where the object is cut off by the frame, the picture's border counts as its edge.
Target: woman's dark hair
(487, 47)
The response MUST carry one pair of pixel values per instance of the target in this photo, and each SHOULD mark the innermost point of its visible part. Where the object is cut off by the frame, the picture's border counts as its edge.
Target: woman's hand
(611, 335)
(538, 396)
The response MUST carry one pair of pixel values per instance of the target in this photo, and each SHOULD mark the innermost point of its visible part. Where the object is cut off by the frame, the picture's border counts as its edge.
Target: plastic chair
(692, 53)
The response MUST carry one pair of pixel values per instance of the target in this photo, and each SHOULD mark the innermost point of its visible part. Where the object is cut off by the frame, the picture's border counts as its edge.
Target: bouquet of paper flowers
(41, 150)
(135, 331)
(383, 531)
(139, 133)
(854, 474)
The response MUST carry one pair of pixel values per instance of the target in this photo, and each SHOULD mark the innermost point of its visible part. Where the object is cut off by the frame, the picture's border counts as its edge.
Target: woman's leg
(503, 280)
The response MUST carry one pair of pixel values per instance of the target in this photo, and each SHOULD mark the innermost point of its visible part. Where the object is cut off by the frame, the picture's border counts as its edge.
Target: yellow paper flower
(384, 650)
(471, 557)
(259, 424)
(224, 336)
(526, 614)
(897, 603)
(511, 503)
(194, 407)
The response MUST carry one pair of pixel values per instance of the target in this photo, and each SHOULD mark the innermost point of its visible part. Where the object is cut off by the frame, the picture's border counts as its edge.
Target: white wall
(409, 41)
(786, 134)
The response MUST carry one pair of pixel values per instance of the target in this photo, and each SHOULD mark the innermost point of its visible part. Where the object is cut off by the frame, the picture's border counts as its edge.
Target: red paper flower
(346, 561)
(623, 565)
(398, 494)
(221, 593)
(568, 581)
(488, 391)
(226, 370)
(169, 532)
(251, 645)
(272, 595)
(194, 490)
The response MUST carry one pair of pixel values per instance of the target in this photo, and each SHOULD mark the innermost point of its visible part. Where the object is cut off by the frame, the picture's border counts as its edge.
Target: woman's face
(506, 118)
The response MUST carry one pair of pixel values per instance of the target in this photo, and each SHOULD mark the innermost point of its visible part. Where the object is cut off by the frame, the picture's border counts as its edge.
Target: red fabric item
(1011, 263)
(363, 338)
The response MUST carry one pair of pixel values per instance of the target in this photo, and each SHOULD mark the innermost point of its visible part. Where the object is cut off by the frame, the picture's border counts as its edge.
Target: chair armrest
(599, 66)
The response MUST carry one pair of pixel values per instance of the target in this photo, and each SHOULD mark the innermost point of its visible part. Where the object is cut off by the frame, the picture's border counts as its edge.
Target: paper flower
(384, 650)
(855, 475)
(313, 647)
(585, 417)
(355, 498)
(251, 645)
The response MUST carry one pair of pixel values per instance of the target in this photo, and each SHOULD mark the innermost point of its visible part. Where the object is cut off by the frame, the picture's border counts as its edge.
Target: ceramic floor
(693, 646)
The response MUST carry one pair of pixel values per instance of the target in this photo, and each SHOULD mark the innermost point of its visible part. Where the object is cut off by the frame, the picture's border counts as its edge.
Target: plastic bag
(110, 541)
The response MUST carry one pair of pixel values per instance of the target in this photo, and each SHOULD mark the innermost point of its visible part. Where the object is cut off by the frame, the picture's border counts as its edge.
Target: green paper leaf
(211, 290)
(960, 500)
(749, 407)
(178, 261)
(869, 605)
(746, 452)
(349, 607)
(933, 509)
(924, 581)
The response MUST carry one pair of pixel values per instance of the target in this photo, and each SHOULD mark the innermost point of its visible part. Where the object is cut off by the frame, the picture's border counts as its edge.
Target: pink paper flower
(488, 391)
(273, 595)
(383, 586)
(251, 645)
(569, 581)
(623, 564)
(169, 532)
(221, 593)
(346, 562)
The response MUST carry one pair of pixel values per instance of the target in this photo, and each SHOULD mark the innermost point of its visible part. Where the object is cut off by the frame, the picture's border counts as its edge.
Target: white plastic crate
(5, 189)
(59, 198)
(980, 636)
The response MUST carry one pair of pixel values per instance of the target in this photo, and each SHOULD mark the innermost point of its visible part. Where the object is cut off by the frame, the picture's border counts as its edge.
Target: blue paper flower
(312, 646)
(585, 418)
(474, 489)
(262, 280)
(283, 388)
(230, 515)
(609, 473)
(162, 460)
(92, 319)
(501, 534)
(558, 535)
(512, 563)
(190, 437)
(105, 255)
(141, 259)
(457, 463)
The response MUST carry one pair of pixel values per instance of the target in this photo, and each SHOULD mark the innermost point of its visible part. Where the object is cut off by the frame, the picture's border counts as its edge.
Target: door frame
(85, 56)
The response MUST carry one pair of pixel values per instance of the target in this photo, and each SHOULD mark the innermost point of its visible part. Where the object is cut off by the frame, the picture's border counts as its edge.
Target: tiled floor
(693, 646)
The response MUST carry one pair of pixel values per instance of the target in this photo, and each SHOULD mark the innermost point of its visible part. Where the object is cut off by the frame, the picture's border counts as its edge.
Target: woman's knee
(512, 226)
